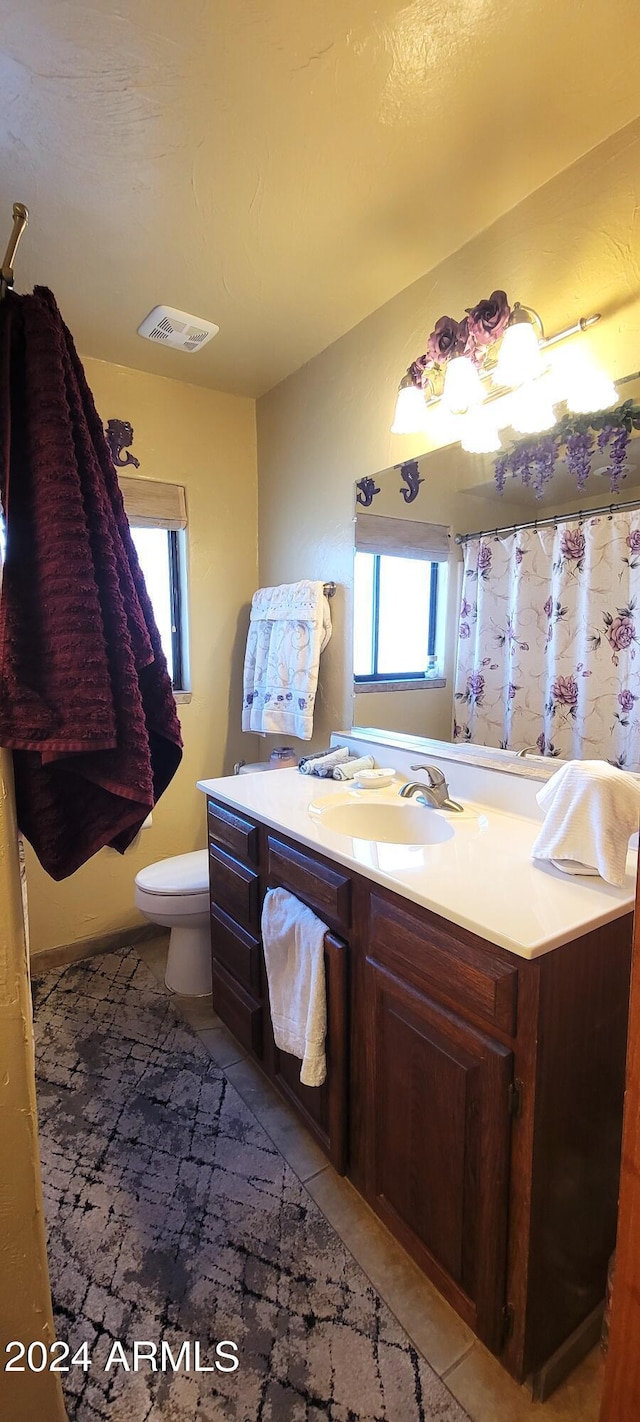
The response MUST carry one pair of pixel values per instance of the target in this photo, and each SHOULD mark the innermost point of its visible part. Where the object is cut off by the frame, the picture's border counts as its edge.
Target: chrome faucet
(435, 795)
(527, 750)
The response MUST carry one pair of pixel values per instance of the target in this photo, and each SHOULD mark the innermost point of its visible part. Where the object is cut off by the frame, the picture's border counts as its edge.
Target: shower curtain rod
(545, 522)
(20, 220)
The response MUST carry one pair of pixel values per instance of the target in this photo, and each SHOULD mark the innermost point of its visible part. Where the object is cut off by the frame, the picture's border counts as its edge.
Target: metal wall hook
(20, 220)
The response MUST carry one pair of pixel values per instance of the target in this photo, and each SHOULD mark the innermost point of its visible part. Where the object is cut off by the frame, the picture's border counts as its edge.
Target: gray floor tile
(489, 1395)
(433, 1326)
(222, 1046)
(280, 1123)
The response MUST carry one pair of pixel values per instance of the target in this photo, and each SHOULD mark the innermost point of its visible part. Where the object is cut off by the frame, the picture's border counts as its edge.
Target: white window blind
(402, 537)
(151, 503)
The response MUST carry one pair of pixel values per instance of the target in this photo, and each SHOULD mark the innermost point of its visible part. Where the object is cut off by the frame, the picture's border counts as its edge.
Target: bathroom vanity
(475, 1077)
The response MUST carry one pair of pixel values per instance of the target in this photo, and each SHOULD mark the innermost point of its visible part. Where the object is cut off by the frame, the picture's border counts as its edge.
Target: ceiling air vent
(177, 329)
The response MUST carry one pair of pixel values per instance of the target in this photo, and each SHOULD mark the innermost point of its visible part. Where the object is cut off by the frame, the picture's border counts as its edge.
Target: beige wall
(569, 249)
(206, 441)
(25, 1300)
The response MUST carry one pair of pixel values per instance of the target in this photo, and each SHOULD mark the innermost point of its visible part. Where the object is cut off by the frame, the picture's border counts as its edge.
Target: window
(395, 610)
(400, 581)
(157, 515)
(159, 555)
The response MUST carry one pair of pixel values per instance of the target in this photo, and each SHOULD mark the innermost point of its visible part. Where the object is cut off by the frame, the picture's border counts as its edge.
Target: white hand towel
(293, 940)
(289, 627)
(591, 809)
(351, 768)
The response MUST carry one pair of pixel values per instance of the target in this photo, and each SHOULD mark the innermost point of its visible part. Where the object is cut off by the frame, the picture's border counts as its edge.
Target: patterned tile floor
(174, 1217)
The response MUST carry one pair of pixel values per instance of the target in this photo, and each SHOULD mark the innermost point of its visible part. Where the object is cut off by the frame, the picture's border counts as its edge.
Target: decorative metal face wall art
(119, 435)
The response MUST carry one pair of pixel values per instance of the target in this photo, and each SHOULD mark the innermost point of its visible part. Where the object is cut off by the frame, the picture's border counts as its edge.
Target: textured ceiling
(283, 167)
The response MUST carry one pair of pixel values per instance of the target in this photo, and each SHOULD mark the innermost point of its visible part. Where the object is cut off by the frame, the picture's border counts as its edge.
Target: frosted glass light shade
(519, 358)
(480, 432)
(462, 386)
(411, 411)
(531, 409)
(586, 387)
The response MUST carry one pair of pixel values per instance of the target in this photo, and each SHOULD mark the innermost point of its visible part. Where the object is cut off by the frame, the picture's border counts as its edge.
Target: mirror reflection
(507, 619)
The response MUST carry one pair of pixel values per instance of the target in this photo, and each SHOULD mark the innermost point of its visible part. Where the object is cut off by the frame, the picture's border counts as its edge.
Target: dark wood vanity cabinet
(439, 1142)
(474, 1097)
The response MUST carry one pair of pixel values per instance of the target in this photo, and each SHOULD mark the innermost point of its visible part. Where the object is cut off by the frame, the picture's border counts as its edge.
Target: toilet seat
(182, 875)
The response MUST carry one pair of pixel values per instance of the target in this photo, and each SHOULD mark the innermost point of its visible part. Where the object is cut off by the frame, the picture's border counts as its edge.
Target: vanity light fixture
(462, 386)
(520, 357)
(480, 432)
(411, 411)
(531, 406)
(504, 345)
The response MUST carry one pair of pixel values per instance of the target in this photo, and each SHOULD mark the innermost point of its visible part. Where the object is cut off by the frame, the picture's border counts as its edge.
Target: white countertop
(482, 878)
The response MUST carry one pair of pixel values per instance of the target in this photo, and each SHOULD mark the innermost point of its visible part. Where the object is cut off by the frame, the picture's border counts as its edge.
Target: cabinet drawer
(234, 887)
(237, 1009)
(327, 890)
(232, 831)
(237, 950)
(462, 970)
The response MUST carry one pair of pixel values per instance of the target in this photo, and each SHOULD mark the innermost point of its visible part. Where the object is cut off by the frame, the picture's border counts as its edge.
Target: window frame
(362, 680)
(176, 554)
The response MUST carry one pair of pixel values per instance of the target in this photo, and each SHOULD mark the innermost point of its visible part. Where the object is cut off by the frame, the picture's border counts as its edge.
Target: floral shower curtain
(549, 640)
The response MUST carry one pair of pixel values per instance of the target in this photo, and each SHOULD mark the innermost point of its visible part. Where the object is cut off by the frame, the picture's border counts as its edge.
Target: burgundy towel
(86, 703)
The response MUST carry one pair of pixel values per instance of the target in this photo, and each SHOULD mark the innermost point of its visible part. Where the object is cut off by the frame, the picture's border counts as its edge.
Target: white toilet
(175, 894)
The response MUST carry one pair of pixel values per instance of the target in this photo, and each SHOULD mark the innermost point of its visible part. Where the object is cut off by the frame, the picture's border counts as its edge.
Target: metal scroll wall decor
(367, 490)
(119, 435)
(410, 473)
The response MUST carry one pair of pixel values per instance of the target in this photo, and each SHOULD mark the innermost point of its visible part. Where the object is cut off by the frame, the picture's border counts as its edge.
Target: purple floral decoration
(465, 631)
(485, 559)
(616, 439)
(488, 319)
(579, 448)
(633, 540)
(573, 546)
(564, 692)
(448, 338)
(548, 607)
(473, 693)
(620, 631)
(626, 702)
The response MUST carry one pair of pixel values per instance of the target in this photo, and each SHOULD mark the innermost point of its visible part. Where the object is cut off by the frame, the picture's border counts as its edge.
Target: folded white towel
(591, 810)
(289, 627)
(351, 768)
(293, 940)
(324, 764)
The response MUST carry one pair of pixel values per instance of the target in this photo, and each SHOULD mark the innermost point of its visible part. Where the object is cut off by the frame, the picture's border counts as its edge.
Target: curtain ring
(611, 508)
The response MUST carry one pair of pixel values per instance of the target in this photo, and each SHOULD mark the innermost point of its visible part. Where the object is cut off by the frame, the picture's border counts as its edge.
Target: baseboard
(90, 947)
(567, 1357)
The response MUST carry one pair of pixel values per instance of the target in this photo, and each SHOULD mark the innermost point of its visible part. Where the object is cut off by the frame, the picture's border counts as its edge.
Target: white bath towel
(290, 626)
(591, 810)
(293, 940)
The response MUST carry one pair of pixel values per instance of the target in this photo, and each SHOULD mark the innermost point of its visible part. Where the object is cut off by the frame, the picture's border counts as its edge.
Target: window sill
(400, 685)
(181, 697)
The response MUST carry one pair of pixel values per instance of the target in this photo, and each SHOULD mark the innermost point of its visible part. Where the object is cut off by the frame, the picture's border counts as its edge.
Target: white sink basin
(382, 821)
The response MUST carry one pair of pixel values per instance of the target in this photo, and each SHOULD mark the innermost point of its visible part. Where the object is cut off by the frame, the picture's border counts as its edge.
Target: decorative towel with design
(591, 810)
(290, 626)
(293, 939)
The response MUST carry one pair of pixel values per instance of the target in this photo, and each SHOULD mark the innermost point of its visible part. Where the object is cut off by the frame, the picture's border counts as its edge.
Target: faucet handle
(436, 776)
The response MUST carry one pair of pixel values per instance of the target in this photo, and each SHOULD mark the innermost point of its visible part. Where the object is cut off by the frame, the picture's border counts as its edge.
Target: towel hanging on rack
(86, 703)
(290, 626)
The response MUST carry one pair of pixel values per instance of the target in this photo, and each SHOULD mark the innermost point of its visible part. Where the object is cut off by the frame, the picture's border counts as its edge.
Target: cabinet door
(324, 1108)
(438, 1144)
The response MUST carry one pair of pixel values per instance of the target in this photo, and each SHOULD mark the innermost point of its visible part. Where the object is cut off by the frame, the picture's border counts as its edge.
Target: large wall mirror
(525, 637)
